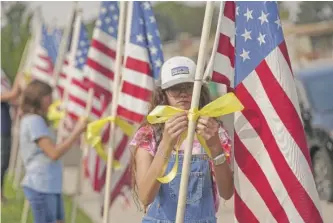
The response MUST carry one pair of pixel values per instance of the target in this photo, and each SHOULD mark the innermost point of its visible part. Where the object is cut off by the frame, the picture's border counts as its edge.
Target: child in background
(155, 144)
(42, 183)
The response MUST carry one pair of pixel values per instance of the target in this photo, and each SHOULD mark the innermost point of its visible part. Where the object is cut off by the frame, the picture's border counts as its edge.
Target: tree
(318, 11)
(14, 36)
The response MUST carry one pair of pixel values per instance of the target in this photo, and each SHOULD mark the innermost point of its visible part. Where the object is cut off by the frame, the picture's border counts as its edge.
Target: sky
(57, 13)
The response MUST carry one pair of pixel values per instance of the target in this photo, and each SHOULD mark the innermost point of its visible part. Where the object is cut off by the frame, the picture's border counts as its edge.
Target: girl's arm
(56, 151)
(149, 167)
(12, 94)
(223, 174)
(209, 128)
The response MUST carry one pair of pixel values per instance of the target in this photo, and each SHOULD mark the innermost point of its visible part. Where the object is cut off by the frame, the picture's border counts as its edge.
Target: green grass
(11, 211)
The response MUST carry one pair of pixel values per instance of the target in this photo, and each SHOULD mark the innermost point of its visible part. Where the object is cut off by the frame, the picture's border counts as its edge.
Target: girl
(42, 183)
(155, 144)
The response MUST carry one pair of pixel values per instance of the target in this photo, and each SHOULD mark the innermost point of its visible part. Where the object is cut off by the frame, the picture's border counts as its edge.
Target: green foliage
(176, 17)
(11, 210)
(14, 36)
(317, 11)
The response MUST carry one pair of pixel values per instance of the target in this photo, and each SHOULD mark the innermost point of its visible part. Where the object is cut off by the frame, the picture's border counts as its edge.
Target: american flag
(99, 68)
(46, 54)
(143, 61)
(273, 172)
(144, 58)
(78, 92)
(102, 53)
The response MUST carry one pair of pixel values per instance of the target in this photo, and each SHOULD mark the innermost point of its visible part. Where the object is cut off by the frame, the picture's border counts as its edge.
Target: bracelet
(220, 159)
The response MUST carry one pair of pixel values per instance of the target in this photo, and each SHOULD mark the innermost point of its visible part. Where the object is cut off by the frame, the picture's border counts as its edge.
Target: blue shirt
(42, 173)
(6, 121)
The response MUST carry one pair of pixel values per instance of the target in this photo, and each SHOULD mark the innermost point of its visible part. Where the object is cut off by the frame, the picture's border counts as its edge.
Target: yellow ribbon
(55, 114)
(95, 140)
(224, 105)
(27, 77)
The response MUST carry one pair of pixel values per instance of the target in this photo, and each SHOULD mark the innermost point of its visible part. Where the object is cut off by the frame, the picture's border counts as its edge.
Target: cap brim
(175, 82)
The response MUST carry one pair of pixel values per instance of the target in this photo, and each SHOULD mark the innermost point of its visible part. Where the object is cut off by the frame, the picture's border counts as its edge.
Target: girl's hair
(159, 98)
(32, 97)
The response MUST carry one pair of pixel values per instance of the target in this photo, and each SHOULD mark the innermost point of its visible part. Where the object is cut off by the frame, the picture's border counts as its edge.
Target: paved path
(89, 202)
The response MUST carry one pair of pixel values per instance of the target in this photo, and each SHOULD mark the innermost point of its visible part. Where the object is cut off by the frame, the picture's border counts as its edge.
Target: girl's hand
(174, 127)
(208, 128)
(81, 125)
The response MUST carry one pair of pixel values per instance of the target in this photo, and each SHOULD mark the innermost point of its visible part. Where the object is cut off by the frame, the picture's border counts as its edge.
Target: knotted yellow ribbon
(224, 105)
(27, 77)
(55, 114)
(93, 135)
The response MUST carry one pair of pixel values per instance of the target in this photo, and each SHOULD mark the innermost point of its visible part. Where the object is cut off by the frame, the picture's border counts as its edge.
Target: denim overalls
(200, 201)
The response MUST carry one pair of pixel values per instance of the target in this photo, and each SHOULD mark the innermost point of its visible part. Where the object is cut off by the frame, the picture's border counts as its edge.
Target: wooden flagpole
(85, 146)
(60, 60)
(62, 50)
(14, 146)
(115, 89)
(194, 104)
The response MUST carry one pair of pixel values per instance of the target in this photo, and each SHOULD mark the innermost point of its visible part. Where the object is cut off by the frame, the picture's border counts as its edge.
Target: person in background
(42, 183)
(154, 146)
(8, 95)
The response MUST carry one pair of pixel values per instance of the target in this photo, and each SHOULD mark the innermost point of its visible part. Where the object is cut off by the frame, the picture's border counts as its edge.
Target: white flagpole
(194, 104)
(115, 86)
(71, 61)
(85, 146)
(62, 52)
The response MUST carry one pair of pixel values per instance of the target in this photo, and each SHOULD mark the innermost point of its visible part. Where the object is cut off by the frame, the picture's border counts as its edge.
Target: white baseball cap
(177, 70)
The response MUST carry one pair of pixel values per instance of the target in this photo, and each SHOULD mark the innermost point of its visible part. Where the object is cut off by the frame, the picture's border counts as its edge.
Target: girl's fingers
(179, 125)
(201, 126)
(177, 133)
(181, 116)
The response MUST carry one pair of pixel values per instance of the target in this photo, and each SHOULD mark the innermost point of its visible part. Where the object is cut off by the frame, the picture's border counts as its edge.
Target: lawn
(11, 211)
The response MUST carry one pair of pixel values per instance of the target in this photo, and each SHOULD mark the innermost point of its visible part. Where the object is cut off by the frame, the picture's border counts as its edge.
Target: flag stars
(261, 38)
(146, 6)
(111, 29)
(158, 63)
(248, 14)
(107, 20)
(141, 21)
(278, 23)
(103, 10)
(153, 50)
(98, 23)
(246, 35)
(157, 33)
(152, 19)
(115, 17)
(139, 38)
(263, 17)
(78, 53)
(150, 37)
(82, 43)
(245, 55)
(112, 7)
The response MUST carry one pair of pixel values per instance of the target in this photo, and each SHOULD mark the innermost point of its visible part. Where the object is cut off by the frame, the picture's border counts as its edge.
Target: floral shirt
(144, 139)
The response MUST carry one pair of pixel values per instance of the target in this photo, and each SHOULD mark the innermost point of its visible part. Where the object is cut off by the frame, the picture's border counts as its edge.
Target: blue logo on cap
(180, 70)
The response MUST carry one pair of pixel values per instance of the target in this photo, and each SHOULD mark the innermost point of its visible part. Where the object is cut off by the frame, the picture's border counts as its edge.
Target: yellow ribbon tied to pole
(223, 105)
(93, 135)
(55, 113)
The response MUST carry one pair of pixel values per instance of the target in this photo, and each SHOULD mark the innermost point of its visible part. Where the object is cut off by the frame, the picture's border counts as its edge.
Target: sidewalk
(90, 202)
